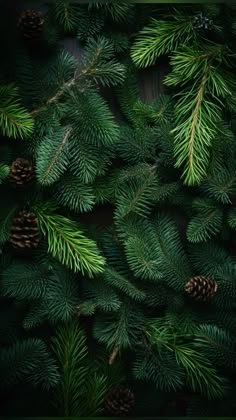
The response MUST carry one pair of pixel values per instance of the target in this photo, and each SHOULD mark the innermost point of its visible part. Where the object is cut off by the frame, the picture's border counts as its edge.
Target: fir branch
(4, 172)
(198, 109)
(70, 349)
(120, 282)
(24, 281)
(67, 243)
(137, 197)
(59, 151)
(206, 223)
(52, 156)
(161, 37)
(195, 117)
(97, 66)
(159, 368)
(72, 193)
(122, 328)
(67, 15)
(201, 375)
(15, 121)
(29, 361)
(113, 355)
(96, 386)
(55, 98)
(117, 10)
(6, 220)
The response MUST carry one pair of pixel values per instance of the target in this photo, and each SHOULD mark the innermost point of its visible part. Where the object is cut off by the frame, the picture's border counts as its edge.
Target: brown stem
(64, 141)
(114, 354)
(195, 115)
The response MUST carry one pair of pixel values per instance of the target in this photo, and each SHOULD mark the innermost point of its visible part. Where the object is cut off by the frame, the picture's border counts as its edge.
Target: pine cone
(119, 401)
(21, 173)
(202, 22)
(201, 288)
(30, 24)
(25, 232)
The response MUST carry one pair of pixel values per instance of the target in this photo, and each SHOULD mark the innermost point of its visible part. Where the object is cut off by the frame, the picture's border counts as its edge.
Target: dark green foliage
(122, 328)
(134, 196)
(67, 243)
(81, 389)
(160, 368)
(15, 121)
(28, 360)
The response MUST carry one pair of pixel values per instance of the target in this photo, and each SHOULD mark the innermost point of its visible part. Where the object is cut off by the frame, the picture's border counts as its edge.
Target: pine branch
(15, 121)
(97, 66)
(161, 37)
(70, 348)
(4, 172)
(201, 375)
(29, 361)
(114, 355)
(195, 117)
(207, 222)
(52, 156)
(67, 15)
(6, 220)
(199, 108)
(67, 243)
(72, 193)
(122, 328)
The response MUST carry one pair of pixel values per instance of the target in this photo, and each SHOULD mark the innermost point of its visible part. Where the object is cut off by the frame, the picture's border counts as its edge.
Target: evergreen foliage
(133, 198)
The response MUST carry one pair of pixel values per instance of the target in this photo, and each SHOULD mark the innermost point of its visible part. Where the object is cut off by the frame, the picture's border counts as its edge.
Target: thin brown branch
(87, 71)
(56, 97)
(114, 354)
(62, 145)
(195, 115)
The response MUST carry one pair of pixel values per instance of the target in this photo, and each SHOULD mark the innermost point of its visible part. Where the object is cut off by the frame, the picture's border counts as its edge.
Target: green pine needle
(67, 15)
(70, 349)
(160, 37)
(68, 244)
(4, 172)
(15, 121)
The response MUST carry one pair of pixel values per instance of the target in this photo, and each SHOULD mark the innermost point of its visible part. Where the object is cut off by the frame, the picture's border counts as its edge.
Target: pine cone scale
(30, 23)
(201, 288)
(25, 232)
(119, 401)
(21, 173)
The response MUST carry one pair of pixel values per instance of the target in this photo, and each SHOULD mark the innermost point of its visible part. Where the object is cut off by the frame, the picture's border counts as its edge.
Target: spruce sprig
(67, 243)
(15, 120)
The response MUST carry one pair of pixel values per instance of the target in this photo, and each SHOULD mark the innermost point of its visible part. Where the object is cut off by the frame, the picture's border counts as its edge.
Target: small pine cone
(21, 173)
(119, 401)
(30, 24)
(202, 22)
(25, 232)
(201, 288)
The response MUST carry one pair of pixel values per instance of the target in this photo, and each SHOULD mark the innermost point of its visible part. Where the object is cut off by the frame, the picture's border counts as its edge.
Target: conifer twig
(195, 115)
(57, 96)
(114, 354)
(60, 149)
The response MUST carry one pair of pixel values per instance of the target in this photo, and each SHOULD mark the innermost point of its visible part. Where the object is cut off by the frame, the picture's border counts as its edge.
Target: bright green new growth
(201, 375)
(67, 243)
(134, 196)
(202, 71)
(15, 121)
(80, 389)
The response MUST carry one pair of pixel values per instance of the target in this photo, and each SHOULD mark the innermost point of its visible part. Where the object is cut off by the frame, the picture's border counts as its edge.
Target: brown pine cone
(25, 232)
(201, 288)
(119, 401)
(30, 24)
(21, 173)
